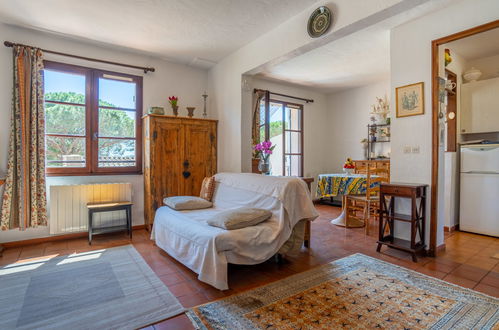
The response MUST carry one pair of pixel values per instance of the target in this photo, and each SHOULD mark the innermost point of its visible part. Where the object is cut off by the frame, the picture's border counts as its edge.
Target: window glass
(118, 94)
(116, 123)
(65, 119)
(65, 151)
(116, 153)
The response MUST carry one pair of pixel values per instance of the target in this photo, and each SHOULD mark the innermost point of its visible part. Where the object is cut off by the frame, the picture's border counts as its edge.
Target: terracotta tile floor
(468, 261)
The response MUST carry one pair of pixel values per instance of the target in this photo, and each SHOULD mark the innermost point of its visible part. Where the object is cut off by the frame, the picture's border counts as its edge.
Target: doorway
(450, 123)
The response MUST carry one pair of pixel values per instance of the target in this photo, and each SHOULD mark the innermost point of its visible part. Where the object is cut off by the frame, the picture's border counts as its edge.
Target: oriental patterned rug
(356, 292)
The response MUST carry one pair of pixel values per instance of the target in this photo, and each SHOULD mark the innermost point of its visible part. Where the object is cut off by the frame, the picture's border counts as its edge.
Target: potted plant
(349, 166)
(263, 150)
(173, 102)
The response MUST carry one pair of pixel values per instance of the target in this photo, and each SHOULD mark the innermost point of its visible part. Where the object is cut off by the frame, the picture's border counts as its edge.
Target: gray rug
(104, 289)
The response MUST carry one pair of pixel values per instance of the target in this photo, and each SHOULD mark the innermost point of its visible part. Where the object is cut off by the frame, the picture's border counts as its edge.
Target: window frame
(92, 122)
(266, 126)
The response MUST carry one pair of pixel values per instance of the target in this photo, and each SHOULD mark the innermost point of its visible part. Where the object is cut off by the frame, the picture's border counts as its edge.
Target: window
(92, 121)
(282, 124)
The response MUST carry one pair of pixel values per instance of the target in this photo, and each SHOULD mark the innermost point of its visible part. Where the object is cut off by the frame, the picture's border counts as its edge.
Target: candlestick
(204, 109)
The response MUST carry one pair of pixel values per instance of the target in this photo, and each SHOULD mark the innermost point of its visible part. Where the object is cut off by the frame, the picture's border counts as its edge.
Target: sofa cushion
(187, 203)
(239, 218)
(207, 188)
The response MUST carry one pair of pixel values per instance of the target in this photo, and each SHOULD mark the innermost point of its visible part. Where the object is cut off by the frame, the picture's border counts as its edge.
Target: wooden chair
(368, 204)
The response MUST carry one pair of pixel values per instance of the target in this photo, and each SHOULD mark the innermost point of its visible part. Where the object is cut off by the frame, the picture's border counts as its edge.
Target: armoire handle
(186, 163)
(186, 174)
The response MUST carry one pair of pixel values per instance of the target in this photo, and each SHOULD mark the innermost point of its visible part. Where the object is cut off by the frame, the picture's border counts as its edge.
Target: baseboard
(451, 229)
(53, 238)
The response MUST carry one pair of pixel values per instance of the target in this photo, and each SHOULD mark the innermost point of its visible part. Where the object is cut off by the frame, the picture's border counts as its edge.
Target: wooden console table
(416, 193)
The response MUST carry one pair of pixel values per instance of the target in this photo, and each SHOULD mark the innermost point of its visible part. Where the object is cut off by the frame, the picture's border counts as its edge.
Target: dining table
(342, 184)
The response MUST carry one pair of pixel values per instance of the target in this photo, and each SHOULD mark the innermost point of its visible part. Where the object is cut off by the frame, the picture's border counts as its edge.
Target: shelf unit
(372, 139)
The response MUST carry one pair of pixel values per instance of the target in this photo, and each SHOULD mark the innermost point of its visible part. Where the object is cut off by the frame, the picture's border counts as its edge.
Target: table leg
(306, 241)
(340, 221)
(90, 215)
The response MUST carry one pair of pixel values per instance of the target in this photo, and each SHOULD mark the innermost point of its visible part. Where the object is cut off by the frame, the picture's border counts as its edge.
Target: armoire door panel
(166, 161)
(200, 144)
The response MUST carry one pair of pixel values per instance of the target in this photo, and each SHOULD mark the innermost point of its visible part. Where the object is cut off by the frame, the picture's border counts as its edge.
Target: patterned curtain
(255, 132)
(24, 200)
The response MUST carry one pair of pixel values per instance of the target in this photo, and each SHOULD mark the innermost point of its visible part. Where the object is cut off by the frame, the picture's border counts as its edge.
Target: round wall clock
(319, 22)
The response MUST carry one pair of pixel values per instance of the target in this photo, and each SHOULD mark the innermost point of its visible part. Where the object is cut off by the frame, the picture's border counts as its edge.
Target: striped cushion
(207, 188)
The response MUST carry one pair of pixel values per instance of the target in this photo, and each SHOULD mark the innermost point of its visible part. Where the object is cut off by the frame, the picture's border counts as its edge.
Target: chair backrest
(375, 176)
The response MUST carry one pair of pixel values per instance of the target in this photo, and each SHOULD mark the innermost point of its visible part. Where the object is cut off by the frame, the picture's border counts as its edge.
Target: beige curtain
(255, 132)
(24, 201)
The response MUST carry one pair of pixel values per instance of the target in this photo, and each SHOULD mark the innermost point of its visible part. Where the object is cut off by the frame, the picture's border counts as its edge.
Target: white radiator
(68, 211)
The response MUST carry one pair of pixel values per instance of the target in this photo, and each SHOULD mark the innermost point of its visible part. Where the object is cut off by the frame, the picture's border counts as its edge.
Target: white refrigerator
(479, 202)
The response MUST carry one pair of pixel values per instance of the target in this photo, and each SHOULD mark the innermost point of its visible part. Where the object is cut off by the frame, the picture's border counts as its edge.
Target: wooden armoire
(179, 153)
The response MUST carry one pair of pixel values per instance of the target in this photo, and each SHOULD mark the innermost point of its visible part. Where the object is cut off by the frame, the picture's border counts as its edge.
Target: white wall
(410, 63)
(315, 138)
(347, 118)
(287, 40)
(169, 79)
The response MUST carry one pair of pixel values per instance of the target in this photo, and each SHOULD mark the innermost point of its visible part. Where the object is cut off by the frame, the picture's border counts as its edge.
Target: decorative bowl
(348, 170)
(472, 75)
(157, 110)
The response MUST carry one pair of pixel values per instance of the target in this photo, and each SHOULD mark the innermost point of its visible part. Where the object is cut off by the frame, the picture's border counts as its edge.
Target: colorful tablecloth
(330, 185)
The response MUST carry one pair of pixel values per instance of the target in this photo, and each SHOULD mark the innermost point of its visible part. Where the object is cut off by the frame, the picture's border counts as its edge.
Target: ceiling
(359, 59)
(194, 32)
(477, 46)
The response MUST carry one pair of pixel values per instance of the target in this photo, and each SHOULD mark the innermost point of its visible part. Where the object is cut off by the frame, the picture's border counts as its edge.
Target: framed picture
(410, 100)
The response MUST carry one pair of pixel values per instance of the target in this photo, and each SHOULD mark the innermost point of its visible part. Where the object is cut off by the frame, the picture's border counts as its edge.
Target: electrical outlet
(407, 149)
(415, 149)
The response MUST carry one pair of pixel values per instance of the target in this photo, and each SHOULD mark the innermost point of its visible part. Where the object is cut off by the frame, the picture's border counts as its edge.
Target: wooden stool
(108, 207)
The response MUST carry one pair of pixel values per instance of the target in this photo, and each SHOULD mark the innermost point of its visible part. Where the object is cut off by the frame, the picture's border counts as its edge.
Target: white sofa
(207, 250)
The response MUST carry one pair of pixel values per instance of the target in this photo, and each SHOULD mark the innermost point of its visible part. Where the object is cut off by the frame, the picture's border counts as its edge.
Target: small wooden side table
(306, 236)
(108, 207)
(417, 194)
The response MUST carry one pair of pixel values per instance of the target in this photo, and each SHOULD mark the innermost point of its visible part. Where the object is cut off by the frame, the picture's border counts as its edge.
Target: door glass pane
(118, 94)
(116, 153)
(64, 87)
(116, 123)
(262, 134)
(64, 119)
(65, 151)
(262, 112)
(276, 137)
(293, 142)
(293, 165)
(293, 118)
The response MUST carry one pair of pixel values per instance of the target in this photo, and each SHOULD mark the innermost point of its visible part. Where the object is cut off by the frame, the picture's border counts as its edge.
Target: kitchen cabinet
(480, 106)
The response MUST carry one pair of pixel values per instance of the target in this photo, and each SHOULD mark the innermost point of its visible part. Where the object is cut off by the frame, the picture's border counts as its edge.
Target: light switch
(407, 149)
(415, 149)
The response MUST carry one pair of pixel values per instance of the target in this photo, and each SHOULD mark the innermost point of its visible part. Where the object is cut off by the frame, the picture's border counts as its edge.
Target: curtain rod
(146, 69)
(290, 96)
